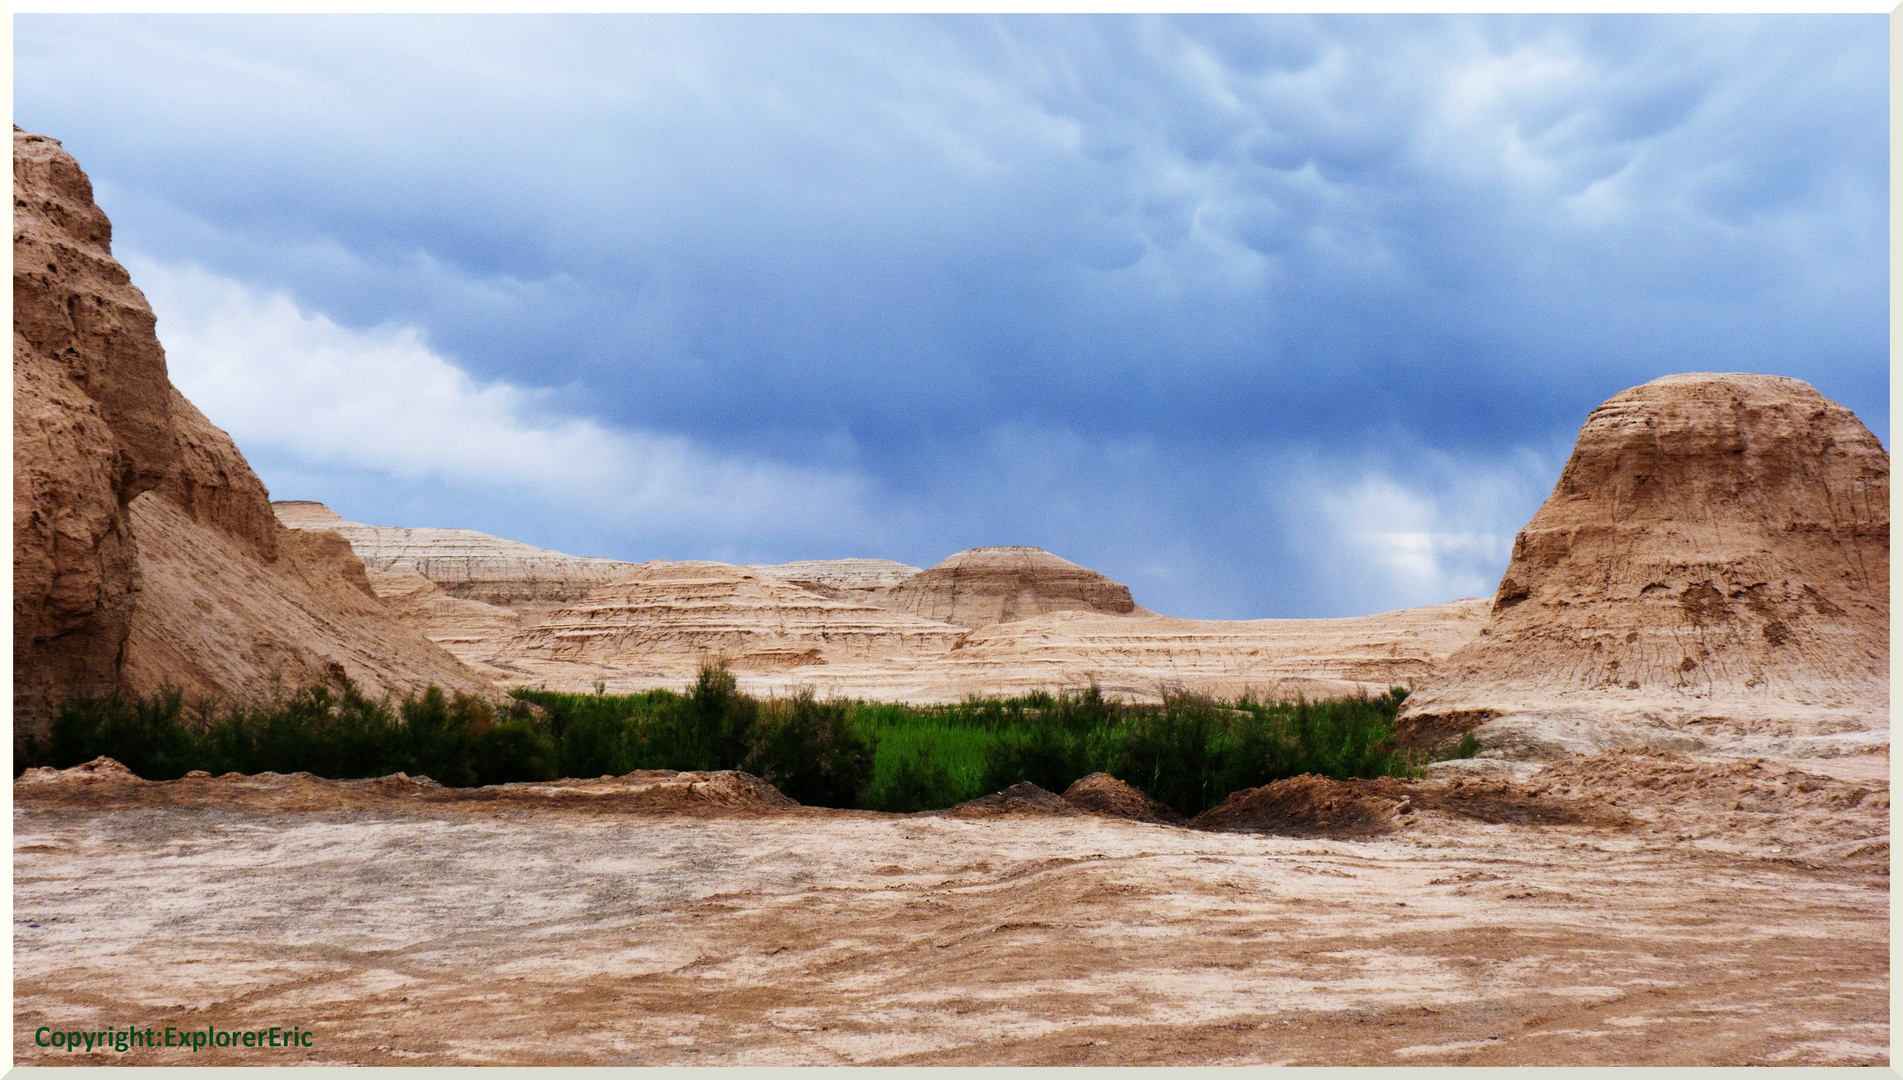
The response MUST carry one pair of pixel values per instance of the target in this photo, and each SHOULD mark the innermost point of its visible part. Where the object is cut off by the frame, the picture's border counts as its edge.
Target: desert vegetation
(1189, 751)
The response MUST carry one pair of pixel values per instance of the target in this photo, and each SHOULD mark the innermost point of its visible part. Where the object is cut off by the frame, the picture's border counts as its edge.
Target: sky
(1274, 316)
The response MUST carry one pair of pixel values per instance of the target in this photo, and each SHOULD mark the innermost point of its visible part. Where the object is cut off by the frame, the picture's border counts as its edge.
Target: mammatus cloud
(380, 400)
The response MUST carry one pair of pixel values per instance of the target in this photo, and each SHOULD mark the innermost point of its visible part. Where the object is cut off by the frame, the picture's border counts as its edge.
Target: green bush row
(459, 742)
(1188, 751)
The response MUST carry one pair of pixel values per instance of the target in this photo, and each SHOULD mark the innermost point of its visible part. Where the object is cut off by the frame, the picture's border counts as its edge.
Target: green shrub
(724, 720)
(912, 782)
(923, 759)
(1193, 752)
(811, 752)
(514, 751)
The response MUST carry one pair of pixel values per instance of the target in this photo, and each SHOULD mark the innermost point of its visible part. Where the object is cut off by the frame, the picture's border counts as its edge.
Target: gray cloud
(1029, 279)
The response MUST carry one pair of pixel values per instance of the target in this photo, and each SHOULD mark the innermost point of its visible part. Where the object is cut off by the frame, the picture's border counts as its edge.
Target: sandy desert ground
(1632, 909)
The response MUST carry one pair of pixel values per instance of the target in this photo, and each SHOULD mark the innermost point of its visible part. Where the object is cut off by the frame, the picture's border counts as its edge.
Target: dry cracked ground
(1632, 908)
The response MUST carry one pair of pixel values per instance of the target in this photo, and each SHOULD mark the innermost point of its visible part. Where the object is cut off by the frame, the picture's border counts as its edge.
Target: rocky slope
(997, 584)
(1030, 621)
(1711, 571)
(145, 549)
(473, 594)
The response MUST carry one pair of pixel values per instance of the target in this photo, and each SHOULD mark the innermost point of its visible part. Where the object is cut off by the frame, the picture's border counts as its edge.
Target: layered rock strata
(474, 594)
(1710, 572)
(1142, 657)
(866, 579)
(464, 563)
(856, 651)
(998, 584)
(661, 620)
(146, 553)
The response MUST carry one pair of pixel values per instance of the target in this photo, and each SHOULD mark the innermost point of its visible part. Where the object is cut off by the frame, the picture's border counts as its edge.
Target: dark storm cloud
(1195, 301)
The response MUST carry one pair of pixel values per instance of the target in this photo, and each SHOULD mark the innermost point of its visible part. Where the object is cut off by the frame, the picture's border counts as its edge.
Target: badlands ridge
(988, 621)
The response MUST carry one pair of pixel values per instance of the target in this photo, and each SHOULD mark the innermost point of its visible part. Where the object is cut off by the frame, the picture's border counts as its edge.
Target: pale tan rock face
(998, 584)
(145, 550)
(214, 485)
(1712, 570)
(464, 563)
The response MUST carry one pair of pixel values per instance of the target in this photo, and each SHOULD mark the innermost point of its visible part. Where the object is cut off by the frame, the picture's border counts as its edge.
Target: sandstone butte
(146, 552)
(1712, 571)
(998, 584)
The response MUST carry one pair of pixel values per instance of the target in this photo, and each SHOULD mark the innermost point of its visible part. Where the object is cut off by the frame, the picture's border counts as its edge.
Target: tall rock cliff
(1712, 570)
(91, 431)
(145, 549)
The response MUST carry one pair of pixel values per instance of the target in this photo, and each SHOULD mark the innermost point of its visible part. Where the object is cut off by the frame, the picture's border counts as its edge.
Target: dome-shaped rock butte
(145, 550)
(990, 585)
(1711, 572)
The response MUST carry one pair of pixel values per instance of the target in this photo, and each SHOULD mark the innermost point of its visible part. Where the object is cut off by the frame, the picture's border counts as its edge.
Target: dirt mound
(998, 584)
(92, 772)
(1018, 799)
(145, 549)
(728, 789)
(657, 791)
(1495, 800)
(1102, 793)
(1307, 805)
(1711, 571)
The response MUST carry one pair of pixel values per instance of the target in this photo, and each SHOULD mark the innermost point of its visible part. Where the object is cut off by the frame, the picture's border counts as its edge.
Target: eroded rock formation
(91, 431)
(1712, 570)
(145, 549)
(998, 584)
